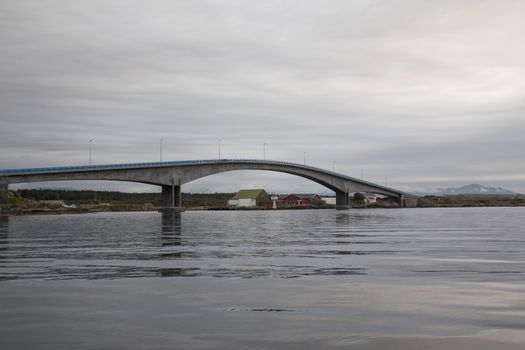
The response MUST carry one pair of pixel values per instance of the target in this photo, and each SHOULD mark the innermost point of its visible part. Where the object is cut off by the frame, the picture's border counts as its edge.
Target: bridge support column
(402, 203)
(341, 200)
(171, 198)
(4, 194)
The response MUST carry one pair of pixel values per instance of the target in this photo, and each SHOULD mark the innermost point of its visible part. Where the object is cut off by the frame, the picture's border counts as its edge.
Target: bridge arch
(190, 177)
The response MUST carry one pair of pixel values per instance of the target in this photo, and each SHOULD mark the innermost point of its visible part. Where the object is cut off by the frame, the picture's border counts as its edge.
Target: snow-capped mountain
(474, 189)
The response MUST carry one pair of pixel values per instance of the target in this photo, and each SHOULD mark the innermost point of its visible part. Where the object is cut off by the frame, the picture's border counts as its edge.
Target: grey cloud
(413, 91)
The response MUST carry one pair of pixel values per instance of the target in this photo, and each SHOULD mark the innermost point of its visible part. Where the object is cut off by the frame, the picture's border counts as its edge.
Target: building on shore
(248, 198)
(300, 199)
(329, 200)
(370, 198)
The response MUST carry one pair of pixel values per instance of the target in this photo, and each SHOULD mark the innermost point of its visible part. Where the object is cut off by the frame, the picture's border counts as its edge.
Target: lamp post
(161, 150)
(264, 151)
(90, 142)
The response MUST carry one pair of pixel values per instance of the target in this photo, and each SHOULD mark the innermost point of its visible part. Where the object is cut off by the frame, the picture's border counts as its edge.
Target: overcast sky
(414, 93)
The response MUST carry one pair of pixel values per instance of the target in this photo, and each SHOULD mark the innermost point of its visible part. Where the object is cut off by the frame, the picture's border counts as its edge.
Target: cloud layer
(408, 92)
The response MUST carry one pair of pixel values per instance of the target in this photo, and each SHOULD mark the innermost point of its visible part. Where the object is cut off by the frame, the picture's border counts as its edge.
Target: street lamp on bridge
(90, 142)
(161, 149)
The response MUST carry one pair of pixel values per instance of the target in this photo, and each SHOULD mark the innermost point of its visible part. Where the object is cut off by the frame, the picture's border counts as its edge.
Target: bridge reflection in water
(171, 228)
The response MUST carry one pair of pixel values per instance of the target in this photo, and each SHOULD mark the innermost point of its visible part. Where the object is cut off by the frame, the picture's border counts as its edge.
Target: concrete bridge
(172, 175)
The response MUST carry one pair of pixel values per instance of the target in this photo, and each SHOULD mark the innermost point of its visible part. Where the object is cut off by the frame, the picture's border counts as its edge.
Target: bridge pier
(4, 194)
(341, 200)
(402, 203)
(171, 198)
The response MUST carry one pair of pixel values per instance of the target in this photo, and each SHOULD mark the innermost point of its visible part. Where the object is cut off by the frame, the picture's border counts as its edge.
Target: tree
(359, 197)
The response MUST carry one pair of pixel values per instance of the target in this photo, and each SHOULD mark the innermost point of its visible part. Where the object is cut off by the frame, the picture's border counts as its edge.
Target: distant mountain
(473, 189)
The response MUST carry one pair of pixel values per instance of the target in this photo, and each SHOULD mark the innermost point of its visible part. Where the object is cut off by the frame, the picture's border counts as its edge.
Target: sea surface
(437, 278)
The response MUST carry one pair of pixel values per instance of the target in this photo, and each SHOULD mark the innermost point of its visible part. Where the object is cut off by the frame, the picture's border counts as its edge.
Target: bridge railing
(138, 165)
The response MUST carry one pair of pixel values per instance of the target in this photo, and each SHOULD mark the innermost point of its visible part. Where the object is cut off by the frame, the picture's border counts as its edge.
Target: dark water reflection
(171, 229)
(263, 279)
(263, 244)
(4, 227)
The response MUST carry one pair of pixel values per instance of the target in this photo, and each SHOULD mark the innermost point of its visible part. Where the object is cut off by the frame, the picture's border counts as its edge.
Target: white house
(248, 198)
(329, 200)
(370, 198)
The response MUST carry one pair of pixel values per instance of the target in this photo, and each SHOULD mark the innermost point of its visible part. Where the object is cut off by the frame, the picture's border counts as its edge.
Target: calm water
(312, 279)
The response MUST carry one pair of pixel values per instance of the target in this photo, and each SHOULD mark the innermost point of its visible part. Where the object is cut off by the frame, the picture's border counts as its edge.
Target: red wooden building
(299, 199)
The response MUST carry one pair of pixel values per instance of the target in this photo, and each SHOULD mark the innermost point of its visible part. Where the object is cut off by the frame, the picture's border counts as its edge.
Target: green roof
(251, 194)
